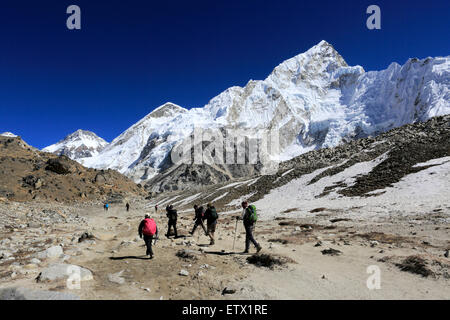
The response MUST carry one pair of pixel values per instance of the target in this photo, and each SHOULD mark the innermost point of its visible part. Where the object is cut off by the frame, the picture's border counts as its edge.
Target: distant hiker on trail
(249, 217)
(149, 230)
(156, 209)
(172, 215)
(211, 221)
(127, 206)
(199, 216)
(106, 206)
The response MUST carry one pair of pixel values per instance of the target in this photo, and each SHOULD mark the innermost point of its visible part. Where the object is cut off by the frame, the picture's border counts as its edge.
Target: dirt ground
(305, 272)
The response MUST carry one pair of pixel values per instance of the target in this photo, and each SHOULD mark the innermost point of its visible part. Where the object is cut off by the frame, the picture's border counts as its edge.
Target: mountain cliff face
(80, 144)
(313, 100)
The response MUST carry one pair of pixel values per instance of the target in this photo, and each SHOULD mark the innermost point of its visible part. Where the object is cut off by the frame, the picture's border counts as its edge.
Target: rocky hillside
(27, 173)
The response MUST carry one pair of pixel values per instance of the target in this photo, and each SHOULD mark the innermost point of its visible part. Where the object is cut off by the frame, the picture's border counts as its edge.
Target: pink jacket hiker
(149, 228)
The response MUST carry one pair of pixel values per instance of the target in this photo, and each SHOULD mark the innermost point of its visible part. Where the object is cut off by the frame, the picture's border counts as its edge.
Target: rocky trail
(411, 254)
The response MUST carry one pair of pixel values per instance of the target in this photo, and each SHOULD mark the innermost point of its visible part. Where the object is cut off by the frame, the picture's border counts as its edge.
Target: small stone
(183, 273)
(116, 277)
(331, 252)
(227, 290)
(374, 243)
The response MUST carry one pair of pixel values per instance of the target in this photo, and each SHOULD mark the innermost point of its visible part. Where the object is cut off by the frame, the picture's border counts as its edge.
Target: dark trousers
(199, 222)
(249, 228)
(172, 223)
(148, 242)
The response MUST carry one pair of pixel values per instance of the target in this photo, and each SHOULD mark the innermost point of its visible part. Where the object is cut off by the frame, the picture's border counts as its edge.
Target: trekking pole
(235, 231)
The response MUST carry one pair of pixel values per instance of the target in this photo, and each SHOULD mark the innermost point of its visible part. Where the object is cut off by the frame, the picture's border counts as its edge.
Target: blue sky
(132, 56)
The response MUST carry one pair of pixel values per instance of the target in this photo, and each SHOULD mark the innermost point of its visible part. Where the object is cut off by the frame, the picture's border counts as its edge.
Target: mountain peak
(316, 63)
(8, 134)
(80, 133)
(79, 144)
(168, 109)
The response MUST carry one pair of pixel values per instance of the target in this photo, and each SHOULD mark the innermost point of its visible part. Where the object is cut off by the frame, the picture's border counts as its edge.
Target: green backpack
(214, 213)
(252, 216)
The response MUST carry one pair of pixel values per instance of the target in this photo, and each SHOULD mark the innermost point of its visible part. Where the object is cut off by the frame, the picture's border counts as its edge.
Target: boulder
(52, 252)
(60, 165)
(60, 271)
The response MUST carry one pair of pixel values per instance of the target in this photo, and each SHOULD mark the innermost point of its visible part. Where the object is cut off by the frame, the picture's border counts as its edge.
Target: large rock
(104, 177)
(60, 165)
(52, 252)
(60, 271)
(20, 293)
(32, 181)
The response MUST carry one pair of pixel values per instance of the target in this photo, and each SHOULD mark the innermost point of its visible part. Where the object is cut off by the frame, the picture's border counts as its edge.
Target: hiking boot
(246, 251)
(211, 243)
(258, 249)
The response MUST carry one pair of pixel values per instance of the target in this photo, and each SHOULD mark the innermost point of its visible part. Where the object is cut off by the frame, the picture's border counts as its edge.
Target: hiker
(211, 221)
(156, 209)
(127, 206)
(149, 230)
(199, 215)
(172, 215)
(106, 206)
(249, 217)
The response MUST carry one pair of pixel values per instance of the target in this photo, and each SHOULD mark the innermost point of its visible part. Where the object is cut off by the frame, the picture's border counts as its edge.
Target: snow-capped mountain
(314, 100)
(80, 144)
(8, 134)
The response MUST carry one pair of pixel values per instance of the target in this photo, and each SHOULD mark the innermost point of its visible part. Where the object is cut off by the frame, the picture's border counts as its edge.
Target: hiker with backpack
(211, 221)
(172, 215)
(127, 206)
(149, 230)
(249, 218)
(199, 216)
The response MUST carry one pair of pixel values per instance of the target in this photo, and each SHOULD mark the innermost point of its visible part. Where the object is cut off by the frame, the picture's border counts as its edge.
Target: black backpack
(172, 214)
